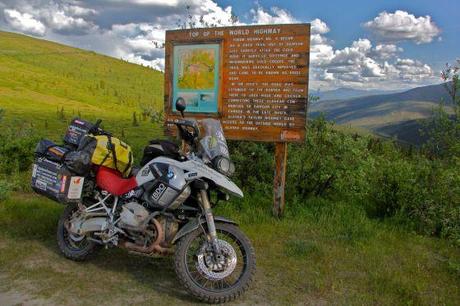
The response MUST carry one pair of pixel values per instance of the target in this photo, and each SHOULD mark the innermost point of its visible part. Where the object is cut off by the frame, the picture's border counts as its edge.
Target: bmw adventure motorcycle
(166, 208)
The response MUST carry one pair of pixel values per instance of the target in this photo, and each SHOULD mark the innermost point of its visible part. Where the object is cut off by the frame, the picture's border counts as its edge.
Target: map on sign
(196, 72)
(254, 79)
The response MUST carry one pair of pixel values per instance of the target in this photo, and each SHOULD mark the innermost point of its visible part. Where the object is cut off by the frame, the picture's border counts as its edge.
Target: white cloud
(212, 14)
(319, 27)
(277, 15)
(76, 10)
(158, 63)
(138, 41)
(386, 51)
(401, 26)
(365, 66)
(67, 19)
(151, 2)
(24, 22)
(412, 69)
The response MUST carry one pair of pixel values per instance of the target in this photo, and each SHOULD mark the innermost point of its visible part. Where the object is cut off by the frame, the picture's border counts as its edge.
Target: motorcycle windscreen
(213, 143)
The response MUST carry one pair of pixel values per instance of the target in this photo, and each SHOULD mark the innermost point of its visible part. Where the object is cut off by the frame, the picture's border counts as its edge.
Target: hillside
(39, 78)
(348, 93)
(393, 115)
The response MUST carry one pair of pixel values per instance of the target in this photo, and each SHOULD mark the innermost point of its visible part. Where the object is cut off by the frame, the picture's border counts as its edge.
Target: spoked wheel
(74, 247)
(215, 278)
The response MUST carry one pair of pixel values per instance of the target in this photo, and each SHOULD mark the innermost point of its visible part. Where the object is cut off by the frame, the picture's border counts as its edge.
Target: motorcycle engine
(133, 215)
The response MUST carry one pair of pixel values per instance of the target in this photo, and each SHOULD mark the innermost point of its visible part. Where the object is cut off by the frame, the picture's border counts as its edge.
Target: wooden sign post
(254, 79)
(279, 183)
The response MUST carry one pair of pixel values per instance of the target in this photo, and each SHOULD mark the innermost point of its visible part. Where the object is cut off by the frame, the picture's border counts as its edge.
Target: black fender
(195, 223)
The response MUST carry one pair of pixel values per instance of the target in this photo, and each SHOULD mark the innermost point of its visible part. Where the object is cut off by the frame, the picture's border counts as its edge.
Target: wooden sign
(254, 79)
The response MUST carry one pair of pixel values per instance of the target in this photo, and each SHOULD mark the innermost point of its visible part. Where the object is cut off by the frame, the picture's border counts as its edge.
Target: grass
(320, 253)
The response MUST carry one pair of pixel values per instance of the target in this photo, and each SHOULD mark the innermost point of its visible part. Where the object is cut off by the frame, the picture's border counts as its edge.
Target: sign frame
(287, 98)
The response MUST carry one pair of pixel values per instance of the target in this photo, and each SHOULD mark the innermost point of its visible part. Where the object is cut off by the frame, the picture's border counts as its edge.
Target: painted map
(196, 69)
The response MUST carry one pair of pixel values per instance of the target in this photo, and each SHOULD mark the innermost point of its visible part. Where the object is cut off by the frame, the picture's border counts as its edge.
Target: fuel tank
(164, 185)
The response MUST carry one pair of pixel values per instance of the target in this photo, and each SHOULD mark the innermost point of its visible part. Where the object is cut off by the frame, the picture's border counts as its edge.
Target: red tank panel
(112, 181)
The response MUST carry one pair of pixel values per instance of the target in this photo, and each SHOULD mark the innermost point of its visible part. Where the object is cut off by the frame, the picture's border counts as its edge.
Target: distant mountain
(393, 115)
(348, 93)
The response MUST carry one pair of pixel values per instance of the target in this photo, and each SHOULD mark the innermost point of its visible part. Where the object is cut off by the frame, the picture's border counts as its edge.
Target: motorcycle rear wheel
(206, 285)
(72, 247)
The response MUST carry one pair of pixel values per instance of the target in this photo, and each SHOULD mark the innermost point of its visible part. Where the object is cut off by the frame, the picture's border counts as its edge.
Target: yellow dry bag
(110, 152)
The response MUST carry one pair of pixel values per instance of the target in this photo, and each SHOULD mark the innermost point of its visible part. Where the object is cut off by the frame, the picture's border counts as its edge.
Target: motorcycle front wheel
(215, 278)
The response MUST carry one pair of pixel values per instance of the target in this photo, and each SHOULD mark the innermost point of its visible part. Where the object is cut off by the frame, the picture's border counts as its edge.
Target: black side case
(52, 180)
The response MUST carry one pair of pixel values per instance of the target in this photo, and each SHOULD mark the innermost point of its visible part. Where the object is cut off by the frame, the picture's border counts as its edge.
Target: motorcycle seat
(112, 181)
(157, 148)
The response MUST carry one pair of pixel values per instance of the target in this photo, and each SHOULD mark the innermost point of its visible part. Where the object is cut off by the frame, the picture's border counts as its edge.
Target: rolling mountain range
(395, 115)
(348, 93)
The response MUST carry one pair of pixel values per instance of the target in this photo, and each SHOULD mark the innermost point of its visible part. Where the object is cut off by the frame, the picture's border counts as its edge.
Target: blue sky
(345, 19)
(356, 44)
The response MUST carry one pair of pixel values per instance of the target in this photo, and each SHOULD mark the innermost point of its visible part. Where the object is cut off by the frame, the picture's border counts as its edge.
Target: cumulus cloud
(76, 10)
(319, 27)
(276, 15)
(363, 65)
(138, 42)
(386, 51)
(412, 69)
(24, 22)
(401, 26)
(61, 17)
(62, 22)
(151, 2)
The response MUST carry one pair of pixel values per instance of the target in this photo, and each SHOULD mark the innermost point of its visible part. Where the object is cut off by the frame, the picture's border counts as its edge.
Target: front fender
(195, 223)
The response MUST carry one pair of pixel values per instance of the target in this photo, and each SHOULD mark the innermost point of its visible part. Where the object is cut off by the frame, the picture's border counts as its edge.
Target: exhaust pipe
(154, 247)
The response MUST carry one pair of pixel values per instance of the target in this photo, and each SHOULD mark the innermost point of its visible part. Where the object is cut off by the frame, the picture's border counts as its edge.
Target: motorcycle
(166, 208)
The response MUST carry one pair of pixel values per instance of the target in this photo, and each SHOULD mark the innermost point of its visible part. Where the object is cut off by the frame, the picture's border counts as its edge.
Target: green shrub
(329, 163)
(17, 150)
(384, 180)
(254, 165)
(5, 189)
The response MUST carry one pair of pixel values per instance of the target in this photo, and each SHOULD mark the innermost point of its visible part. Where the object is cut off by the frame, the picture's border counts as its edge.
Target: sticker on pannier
(49, 150)
(75, 187)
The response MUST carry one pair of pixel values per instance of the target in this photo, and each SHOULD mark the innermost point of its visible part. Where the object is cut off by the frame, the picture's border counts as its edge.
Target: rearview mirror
(181, 105)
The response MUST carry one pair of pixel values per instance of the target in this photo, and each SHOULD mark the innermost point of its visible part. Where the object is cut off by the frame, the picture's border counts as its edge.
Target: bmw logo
(170, 174)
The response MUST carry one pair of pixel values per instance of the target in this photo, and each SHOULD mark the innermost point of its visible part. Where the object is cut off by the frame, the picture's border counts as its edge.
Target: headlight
(224, 165)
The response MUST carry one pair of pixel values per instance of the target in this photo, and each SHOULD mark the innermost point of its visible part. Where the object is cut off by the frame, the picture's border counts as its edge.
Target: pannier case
(51, 151)
(76, 130)
(54, 181)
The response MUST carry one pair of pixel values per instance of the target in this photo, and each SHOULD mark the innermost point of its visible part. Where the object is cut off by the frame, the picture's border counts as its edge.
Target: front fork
(206, 205)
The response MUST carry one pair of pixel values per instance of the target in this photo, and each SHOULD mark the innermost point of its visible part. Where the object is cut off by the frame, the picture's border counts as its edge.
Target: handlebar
(184, 126)
(96, 130)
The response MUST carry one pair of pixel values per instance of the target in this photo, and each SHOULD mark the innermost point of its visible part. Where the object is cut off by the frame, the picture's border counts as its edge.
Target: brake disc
(217, 269)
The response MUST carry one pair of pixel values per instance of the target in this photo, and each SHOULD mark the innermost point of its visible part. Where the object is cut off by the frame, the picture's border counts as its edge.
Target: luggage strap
(111, 149)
